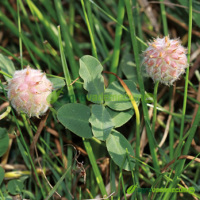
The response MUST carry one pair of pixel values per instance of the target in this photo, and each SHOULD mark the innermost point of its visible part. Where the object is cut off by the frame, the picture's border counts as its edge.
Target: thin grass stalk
(57, 185)
(69, 163)
(49, 27)
(113, 19)
(180, 167)
(187, 70)
(41, 40)
(112, 177)
(191, 132)
(94, 49)
(135, 178)
(155, 106)
(164, 18)
(1, 195)
(139, 25)
(50, 9)
(29, 156)
(68, 46)
(20, 35)
(95, 167)
(28, 44)
(98, 29)
(142, 90)
(121, 179)
(171, 139)
(65, 66)
(10, 54)
(122, 182)
(71, 17)
(118, 35)
(26, 20)
(90, 16)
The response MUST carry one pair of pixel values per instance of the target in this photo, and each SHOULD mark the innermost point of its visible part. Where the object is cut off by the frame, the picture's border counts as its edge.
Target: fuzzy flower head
(28, 91)
(165, 60)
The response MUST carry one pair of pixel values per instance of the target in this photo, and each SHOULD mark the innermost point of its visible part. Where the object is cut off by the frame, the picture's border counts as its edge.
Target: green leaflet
(4, 141)
(120, 118)
(116, 145)
(75, 117)
(116, 98)
(2, 173)
(90, 71)
(101, 122)
(6, 66)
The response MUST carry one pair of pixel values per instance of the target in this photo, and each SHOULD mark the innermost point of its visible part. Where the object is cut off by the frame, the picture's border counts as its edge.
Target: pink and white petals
(165, 60)
(28, 91)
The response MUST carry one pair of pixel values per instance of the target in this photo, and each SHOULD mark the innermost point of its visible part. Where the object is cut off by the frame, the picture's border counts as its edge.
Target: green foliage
(2, 173)
(57, 83)
(90, 72)
(75, 117)
(117, 144)
(7, 66)
(23, 153)
(101, 122)
(53, 97)
(4, 141)
(196, 7)
(116, 98)
(120, 118)
(15, 187)
(128, 67)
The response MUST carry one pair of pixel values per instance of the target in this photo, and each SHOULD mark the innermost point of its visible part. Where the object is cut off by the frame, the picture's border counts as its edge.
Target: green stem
(118, 35)
(142, 90)
(187, 70)
(171, 139)
(20, 34)
(91, 33)
(191, 132)
(94, 166)
(65, 66)
(154, 107)
(68, 46)
(71, 17)
(180, 166)
(164, 18)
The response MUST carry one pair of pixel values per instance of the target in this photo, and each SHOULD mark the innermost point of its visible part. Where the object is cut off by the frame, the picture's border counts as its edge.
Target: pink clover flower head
(165, 60)
(28, 91)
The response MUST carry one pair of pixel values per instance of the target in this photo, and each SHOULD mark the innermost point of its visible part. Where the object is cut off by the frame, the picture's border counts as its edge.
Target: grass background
(52, 36)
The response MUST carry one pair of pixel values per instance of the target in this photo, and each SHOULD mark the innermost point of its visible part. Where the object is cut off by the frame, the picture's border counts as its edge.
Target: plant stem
(187, 70)
(154, 106)
(142, 90)
(118, 35)
(94, 49)
(68, 46)
(94, 166)
(191, 132)
(164, 19)
(20, 34)
(180, 166)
